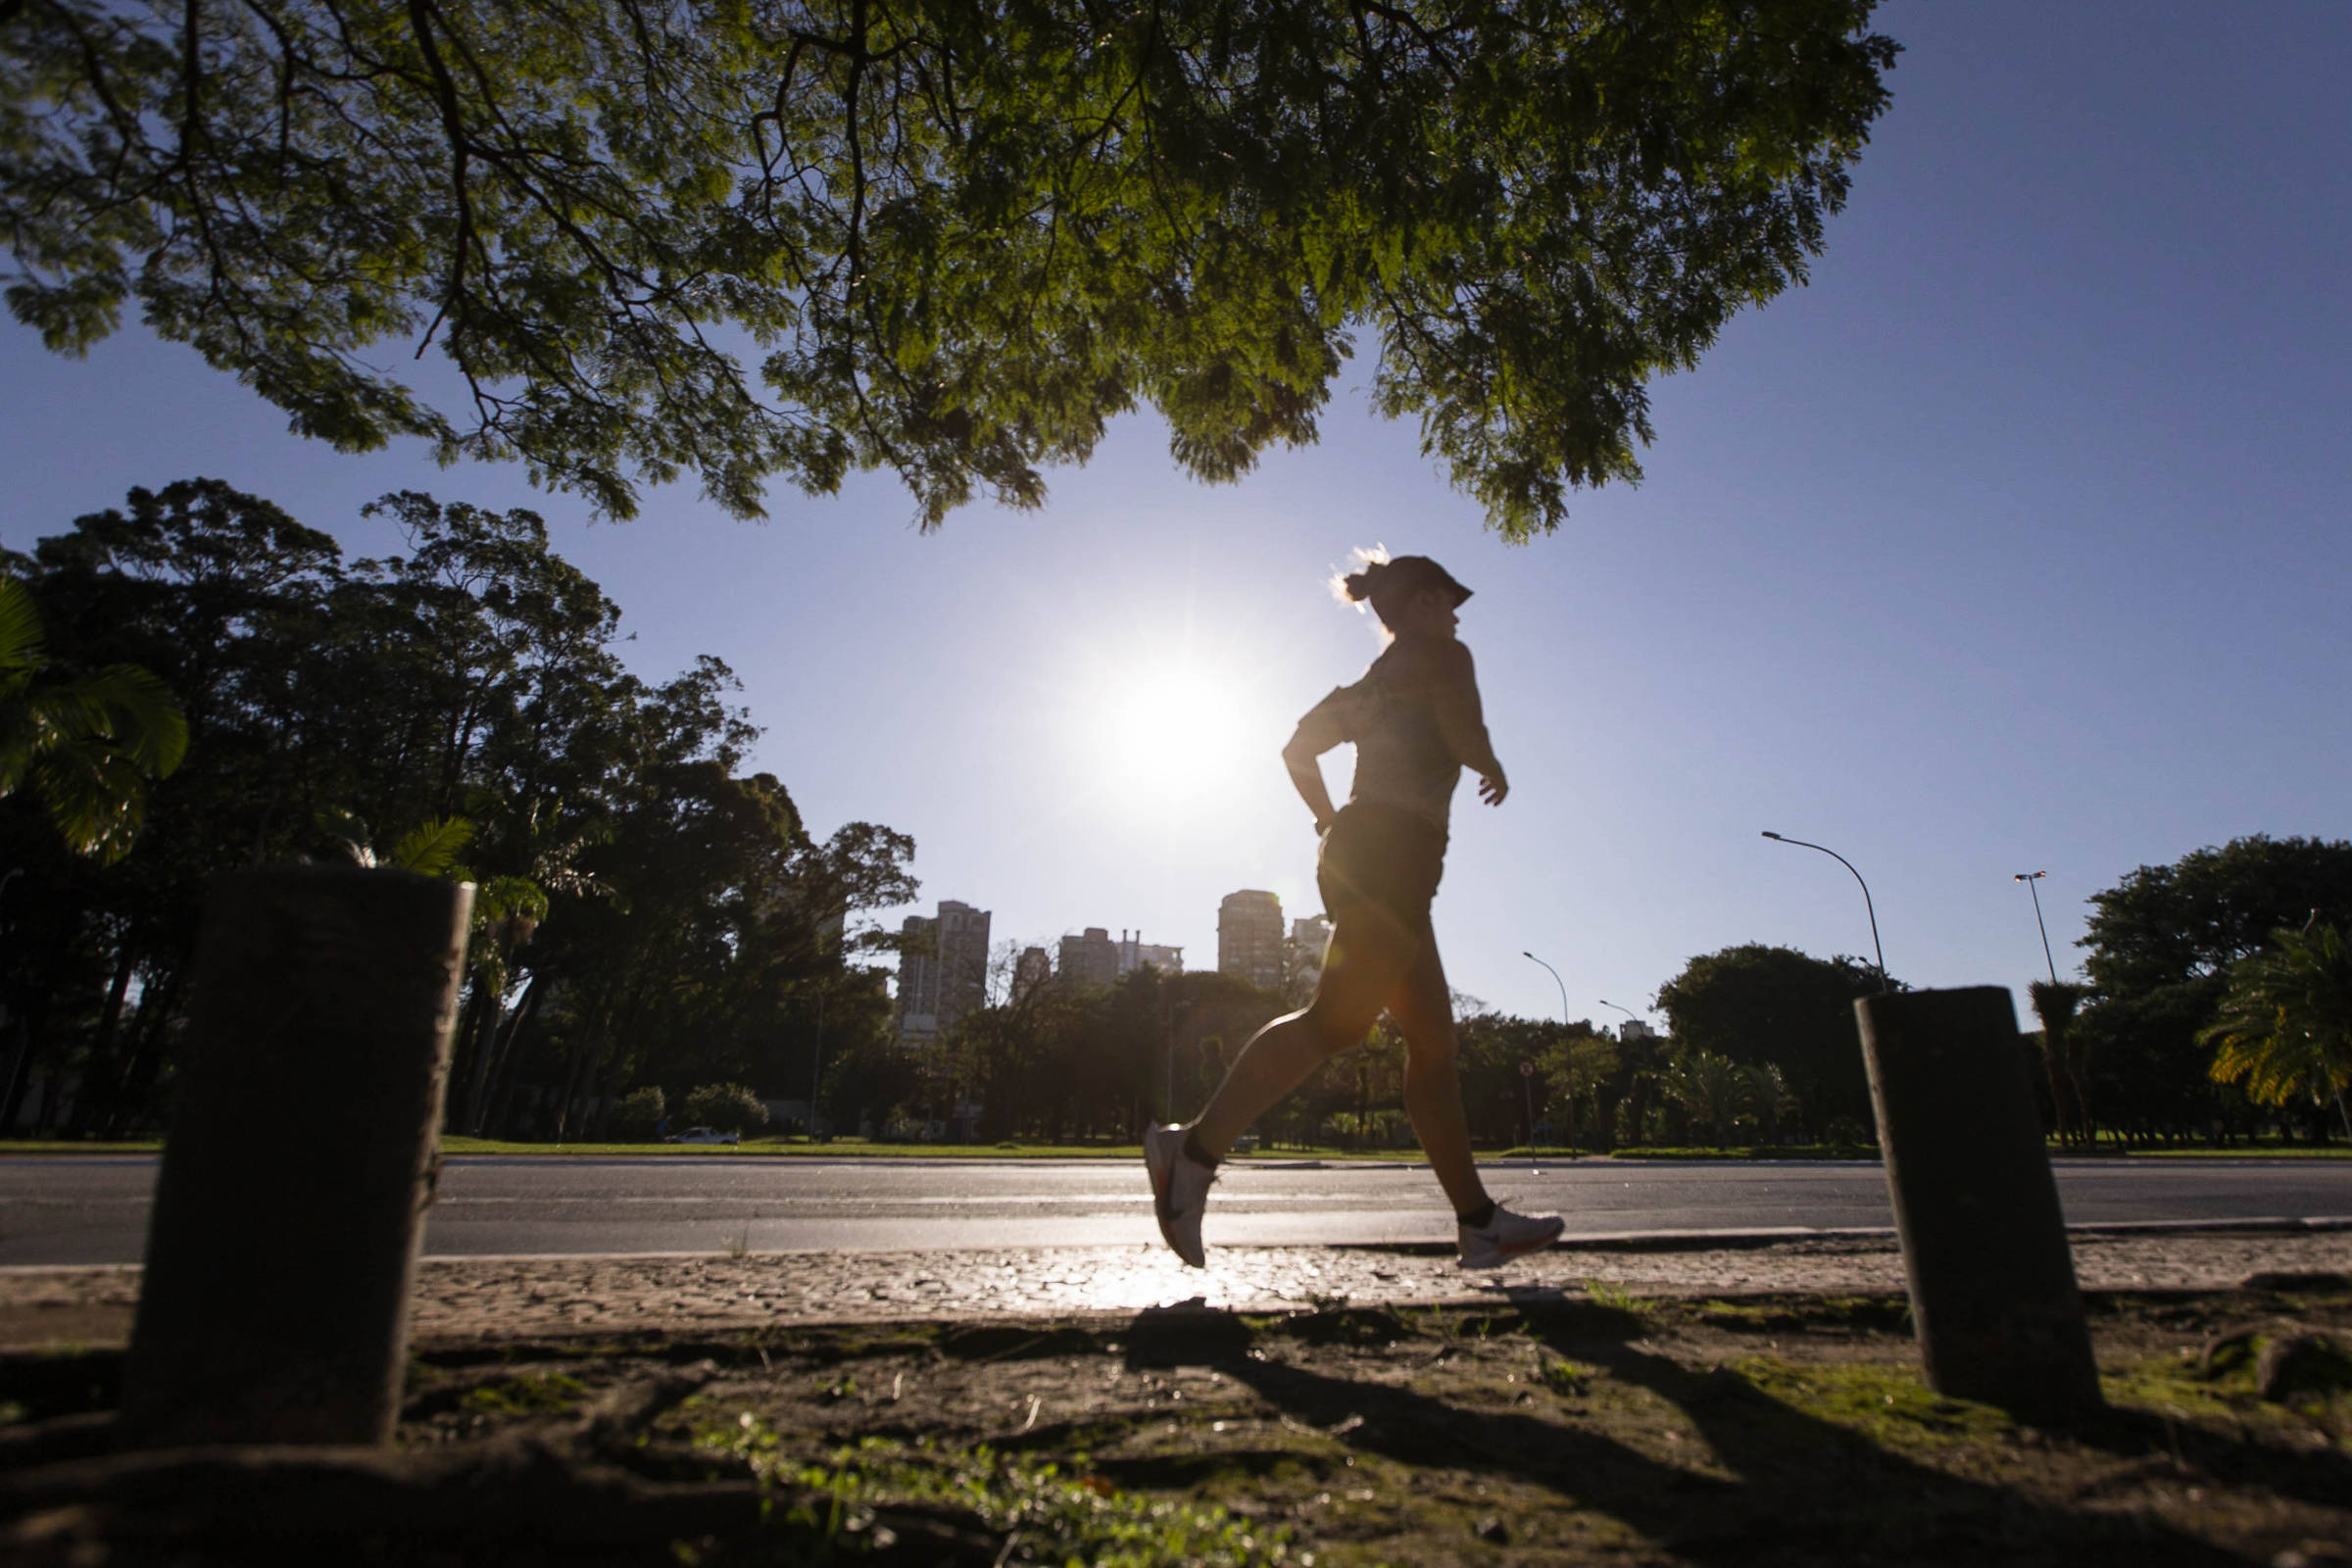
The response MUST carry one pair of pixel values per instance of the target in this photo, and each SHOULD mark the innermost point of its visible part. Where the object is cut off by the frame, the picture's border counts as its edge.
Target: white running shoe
(1179, 1191)
(1504, 1237)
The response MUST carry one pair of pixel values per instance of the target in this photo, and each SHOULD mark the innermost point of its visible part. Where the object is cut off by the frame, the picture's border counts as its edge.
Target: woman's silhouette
(1416, 723)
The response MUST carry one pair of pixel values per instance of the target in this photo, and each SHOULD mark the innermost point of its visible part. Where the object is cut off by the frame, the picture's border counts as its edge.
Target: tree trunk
(144, 1061)
(20, 1070)
(94, 1106)
(2052, 1052)
(493, 1060)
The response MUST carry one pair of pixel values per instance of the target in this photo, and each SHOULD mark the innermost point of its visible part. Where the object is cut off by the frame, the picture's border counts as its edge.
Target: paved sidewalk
(536, 1298)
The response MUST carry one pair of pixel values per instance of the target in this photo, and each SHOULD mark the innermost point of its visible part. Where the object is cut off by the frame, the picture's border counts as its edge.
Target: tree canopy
(650, 912)
(1760, 1005)
(751, 239)
(2160, 948)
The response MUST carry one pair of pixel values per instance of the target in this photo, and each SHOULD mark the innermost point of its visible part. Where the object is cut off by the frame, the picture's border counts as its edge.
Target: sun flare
(1179, 734)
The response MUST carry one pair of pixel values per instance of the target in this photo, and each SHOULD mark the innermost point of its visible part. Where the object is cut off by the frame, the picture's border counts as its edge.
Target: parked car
(704, 1134)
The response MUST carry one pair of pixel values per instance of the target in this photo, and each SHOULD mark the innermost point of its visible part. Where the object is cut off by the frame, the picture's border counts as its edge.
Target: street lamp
(2028, 878)
(1620, 1007)
(1556, 980)
(1526, 1069)
(1867, 906)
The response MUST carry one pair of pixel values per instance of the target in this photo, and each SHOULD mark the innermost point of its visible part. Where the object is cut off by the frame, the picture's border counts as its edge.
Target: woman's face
(1428, 617)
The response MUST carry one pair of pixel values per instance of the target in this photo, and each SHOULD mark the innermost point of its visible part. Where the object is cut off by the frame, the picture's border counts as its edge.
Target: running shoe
(1179, 1191)
(1504, 1237)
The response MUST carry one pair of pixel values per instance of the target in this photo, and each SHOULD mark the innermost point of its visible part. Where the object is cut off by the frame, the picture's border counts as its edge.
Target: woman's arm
(1318, 732)
(1462, 720)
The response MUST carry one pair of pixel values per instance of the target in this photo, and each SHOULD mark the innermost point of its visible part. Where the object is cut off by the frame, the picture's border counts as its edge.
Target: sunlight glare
(1179, 736)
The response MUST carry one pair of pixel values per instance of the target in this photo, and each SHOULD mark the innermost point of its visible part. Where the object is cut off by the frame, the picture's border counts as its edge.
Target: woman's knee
(1335, 1026)
(1432, 1051)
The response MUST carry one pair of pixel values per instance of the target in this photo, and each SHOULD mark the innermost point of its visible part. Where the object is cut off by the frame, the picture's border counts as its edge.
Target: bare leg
(1423, 1007)
(1361, 969)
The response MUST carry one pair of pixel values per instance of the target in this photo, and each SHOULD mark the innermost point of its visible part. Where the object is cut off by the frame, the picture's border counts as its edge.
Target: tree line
(2215, 1007)
(649, 912)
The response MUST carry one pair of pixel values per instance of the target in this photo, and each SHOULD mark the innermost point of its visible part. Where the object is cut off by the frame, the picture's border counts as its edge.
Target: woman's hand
(1493, 786)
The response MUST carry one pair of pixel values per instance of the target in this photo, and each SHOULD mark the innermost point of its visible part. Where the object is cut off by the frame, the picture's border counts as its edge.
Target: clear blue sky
(2015, 542)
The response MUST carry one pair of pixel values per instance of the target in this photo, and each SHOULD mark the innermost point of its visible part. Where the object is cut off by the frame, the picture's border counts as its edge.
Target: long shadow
(1803, 1492)
(2323, 1478)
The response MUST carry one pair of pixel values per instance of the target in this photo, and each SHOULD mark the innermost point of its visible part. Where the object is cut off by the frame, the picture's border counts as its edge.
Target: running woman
(1416, 723)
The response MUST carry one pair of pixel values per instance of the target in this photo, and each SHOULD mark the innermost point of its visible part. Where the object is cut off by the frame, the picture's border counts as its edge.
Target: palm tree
(86, 746)
(1769, 1097)
(2286, 1025)
(2055, 1003)
(1711, 1089)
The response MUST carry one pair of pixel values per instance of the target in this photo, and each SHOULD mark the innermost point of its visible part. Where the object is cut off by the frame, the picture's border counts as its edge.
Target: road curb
(1781, 1235)
(1603, 1241)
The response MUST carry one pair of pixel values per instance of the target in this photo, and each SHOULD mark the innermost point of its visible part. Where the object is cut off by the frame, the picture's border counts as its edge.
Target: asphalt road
(93, 1208)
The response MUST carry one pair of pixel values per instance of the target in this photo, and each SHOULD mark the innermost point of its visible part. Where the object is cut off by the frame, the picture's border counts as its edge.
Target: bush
(637, 1114)
(729, 1108)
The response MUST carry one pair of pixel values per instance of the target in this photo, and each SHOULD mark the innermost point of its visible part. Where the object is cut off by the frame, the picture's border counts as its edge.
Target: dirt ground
(1598, 1428)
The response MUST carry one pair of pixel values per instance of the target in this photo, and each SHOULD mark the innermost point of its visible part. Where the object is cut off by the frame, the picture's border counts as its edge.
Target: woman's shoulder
(1427, 664)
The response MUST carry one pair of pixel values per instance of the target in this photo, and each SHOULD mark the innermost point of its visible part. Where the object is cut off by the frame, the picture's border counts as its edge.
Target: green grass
(1749, 1152)
(1057, 1513)
(2267, 1150)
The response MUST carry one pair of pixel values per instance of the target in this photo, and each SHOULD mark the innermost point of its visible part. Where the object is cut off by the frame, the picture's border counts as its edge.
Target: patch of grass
(1890, 1406)
(1568, 1379)
(2259, 1151)
(1866, 1151)
(527, 1394)
(1616, 1299)
(1045, 1512)
(1848, 1313)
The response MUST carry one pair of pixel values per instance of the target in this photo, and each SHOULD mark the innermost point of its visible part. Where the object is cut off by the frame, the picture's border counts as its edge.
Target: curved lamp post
(1528, 1076)
(1620, 1007)
(2028, 878)
(1866, 903)
(1556, 980)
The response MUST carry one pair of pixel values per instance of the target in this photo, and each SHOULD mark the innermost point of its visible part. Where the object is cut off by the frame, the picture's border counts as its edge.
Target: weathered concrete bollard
(1993, 1282)
(288, 1213)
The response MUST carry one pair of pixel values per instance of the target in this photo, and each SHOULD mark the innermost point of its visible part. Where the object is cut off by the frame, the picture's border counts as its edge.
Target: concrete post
(1993, 1282)
(288, 1213)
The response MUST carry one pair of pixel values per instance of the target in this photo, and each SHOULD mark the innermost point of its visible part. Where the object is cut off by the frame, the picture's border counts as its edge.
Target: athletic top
(1402, 756)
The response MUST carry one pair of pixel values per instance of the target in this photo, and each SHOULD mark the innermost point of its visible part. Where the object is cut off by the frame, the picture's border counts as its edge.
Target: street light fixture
(2028, 878)
(1867, 906)
(1526, 1069)
(1556, 980)
(1620, 1007)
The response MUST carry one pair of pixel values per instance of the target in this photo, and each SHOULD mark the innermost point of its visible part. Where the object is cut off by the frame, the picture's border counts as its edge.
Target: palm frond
(97, 800)
(22, 638)
(432, 848)
(349, 833)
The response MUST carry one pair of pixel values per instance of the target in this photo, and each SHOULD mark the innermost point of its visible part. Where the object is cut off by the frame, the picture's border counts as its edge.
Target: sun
(1179, 733)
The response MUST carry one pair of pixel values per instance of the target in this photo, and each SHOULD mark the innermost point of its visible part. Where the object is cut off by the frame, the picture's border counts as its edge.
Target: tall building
(1303, 962)
(1250, 939)
(943, 970)
(1090, 958)
(1034, 968)
(1135, 952)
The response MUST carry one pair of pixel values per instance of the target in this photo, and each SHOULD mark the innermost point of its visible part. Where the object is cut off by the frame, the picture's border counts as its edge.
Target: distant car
(704, 1134)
